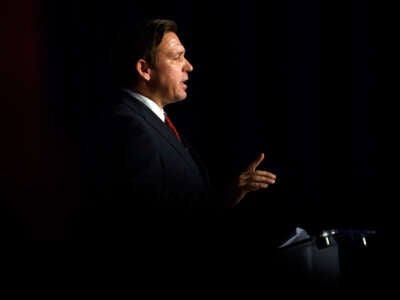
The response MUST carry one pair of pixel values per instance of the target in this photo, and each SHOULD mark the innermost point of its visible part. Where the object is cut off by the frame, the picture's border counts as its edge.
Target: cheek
(174, 77)
(170, 76)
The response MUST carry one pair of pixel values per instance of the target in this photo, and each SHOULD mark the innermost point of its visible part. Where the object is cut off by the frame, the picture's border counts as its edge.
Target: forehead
(170, 41)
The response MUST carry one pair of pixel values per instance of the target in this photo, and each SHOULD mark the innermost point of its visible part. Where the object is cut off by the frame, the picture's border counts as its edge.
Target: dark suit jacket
(149, 167)
(141, 177)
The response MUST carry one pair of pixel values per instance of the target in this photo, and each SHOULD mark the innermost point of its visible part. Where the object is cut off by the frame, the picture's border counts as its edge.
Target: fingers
(253, 165)
(265, 174)
(254, 186)
(252, 181)
(269, 178)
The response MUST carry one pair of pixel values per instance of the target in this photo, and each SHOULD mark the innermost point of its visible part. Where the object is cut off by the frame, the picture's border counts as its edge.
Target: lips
(184, 83)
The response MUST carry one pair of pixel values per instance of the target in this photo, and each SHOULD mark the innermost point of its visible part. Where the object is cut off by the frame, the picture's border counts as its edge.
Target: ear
(143, 68)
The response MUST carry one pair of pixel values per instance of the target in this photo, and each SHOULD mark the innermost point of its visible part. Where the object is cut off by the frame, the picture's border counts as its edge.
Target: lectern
(331, 259)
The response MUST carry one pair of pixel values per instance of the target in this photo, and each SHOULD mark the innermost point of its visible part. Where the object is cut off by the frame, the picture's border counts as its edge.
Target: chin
(182, 97)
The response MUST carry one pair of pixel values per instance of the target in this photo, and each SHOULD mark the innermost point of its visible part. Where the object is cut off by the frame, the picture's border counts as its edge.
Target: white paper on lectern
(300, 235)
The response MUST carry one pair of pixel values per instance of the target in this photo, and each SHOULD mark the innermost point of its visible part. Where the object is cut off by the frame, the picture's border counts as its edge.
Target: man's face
(170, 70)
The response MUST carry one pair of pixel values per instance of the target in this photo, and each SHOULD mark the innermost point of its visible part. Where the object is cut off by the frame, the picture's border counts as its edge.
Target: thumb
(254, 164)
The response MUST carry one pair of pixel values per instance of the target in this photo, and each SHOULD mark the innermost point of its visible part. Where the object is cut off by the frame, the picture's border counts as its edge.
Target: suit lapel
(155, 122)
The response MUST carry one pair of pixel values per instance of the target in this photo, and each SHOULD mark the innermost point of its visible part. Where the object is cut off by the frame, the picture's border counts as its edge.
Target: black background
(305, 82)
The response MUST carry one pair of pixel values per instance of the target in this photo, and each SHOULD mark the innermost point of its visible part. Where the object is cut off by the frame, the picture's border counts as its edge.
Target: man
(150, 165)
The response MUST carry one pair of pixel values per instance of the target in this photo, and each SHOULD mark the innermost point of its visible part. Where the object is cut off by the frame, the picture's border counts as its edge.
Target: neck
(145, 91)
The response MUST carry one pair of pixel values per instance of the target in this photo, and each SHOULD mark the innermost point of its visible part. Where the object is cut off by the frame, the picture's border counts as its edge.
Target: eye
(179, 55)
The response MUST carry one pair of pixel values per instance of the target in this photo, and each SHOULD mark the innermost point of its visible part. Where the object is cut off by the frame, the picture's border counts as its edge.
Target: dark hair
(132, 45)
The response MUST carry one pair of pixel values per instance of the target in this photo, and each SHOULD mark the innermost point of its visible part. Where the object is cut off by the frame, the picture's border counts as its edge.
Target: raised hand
(252, 179)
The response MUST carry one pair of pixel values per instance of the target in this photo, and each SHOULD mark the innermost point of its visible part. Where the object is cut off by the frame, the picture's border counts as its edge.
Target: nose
(188, 66)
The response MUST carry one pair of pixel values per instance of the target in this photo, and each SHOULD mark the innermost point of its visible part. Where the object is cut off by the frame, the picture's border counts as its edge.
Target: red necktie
(171, 126)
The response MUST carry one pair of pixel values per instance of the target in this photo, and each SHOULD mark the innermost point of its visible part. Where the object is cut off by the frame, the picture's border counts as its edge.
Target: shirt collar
(148, 102)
